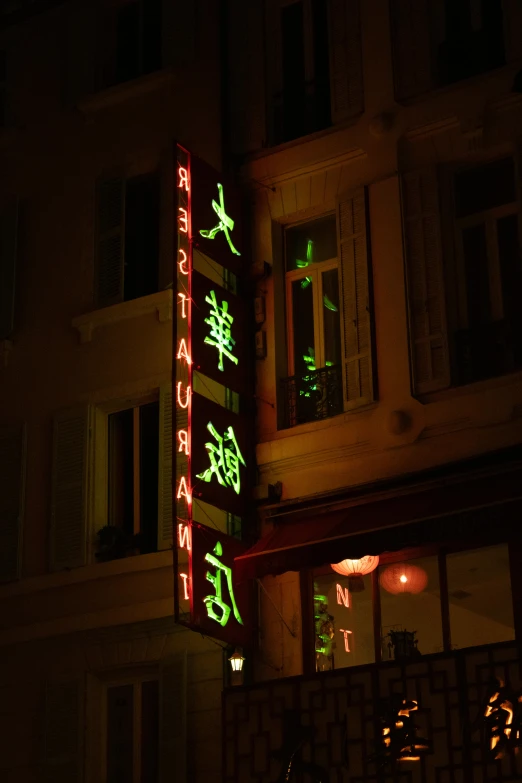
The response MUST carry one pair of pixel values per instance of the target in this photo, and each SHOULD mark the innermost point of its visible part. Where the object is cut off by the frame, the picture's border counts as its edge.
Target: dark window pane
(485, 187)
(149, 731)
(303, 326)
(151, 10)
(480, 603)
(293, 65)
(149, 446)
(128, 42)
(322, 117)
(121, 471)
(331, 318)
(510, 267)
(477, 275)
(141, 237)
(343, 623)
(311, 243)
(410, 604)
(120, 711)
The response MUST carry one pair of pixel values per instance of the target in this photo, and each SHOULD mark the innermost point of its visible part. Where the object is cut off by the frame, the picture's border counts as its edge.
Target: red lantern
(403, 578)
(355, 570)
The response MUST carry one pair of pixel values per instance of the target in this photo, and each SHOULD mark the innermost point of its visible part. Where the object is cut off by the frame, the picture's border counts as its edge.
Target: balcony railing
(312, 396)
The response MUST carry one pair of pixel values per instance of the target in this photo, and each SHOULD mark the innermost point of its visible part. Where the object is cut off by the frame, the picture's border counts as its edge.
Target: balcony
(311, 397)
(345, 724)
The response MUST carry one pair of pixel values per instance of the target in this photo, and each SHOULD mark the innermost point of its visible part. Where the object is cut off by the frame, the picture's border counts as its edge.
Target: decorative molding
(319, 166)
(160, 303)
(432, 129)
(312, 459)
(445, 427)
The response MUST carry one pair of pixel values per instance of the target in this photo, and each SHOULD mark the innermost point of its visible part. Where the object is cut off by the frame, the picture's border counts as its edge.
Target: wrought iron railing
(312, 396)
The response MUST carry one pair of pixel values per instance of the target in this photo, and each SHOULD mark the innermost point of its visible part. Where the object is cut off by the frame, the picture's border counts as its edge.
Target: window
(128, 222)
(314, 65)
(132, 479)
(313, 316)
(132, 732)
(3, 90)
(133, 41)
(472, 39)
(484, 307)
(405, 598)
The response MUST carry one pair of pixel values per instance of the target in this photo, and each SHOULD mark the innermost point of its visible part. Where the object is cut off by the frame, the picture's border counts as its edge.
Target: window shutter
(8, 253)
(346, 74)
(410, 23)
(513, 29)
(63, 732)
(110, 205)
(165, 485)
(173, 719)
(69, 493)
(12, 490)
(355, 292)
(425, 277)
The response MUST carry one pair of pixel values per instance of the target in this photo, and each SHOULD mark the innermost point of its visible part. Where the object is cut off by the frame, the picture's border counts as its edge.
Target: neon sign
(216, 601)
(225, 224)
(225, 459)
(220, 322)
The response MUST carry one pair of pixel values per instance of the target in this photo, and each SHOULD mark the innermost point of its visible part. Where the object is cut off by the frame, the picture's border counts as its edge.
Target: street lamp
(236, 661)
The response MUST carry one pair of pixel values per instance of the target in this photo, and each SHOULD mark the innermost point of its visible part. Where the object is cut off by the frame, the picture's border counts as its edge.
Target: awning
(475, 508)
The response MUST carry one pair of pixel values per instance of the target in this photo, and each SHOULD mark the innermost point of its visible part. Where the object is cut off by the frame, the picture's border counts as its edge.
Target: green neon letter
(216, 601)
(220, 322)
(225, 459)
(225, 224)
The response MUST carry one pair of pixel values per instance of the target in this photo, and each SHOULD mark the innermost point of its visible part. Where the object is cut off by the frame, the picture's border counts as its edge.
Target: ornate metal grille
(312, 396)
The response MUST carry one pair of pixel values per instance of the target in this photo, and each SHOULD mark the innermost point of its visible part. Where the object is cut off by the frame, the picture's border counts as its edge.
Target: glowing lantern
(355, 570)
(403, 578)
(236, 661)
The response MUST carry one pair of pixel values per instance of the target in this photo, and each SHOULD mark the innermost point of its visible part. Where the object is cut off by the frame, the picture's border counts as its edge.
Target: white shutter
(63, 732)
(110, 229)
(165, 483)
(355, 297)
(8, 253)
(425, 276)
(71, 437)
(12, 490)
(346, 74)
(513, 29)
(410, 24)
(173, 719)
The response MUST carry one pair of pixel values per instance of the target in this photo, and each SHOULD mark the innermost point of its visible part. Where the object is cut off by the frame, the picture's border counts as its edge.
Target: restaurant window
(479, 591)
(486, 282)
(405, 599)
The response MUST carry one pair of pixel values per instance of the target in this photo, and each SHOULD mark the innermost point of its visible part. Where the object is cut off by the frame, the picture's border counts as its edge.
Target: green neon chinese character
(216, 601)
(220, 322)
(225, 223)
(225, 459)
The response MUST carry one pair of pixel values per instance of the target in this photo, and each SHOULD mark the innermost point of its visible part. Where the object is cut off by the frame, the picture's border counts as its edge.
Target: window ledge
(160, 303)
(475, 387)
(58, 579)
(126, 91)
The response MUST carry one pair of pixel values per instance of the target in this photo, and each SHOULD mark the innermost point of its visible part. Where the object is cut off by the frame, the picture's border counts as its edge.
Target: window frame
(441, 551)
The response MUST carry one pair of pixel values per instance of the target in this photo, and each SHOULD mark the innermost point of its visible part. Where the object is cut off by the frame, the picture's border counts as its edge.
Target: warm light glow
(183, 220)
(187, 395)
(184, 537)
(183, 352)
(183, 441)
(346, 640)
(183, 179)
(343, 596)
(403, 578)
(185, 585)
(365, 565)
(183, 491)
(236, 661)
(183, 299)
(182, 263)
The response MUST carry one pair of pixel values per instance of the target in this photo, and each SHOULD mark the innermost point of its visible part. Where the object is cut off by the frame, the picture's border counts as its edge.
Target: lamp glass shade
(365, 565)
(403, 578)
(236, 661)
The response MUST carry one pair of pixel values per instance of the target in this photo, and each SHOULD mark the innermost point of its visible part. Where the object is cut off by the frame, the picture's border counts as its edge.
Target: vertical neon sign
(182, 401)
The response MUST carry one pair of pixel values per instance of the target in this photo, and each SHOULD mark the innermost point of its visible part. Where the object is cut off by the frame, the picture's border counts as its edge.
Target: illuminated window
(313, 321)
(132, 731)
(132, 480)
(485, 285)
(479, 591)
(128, 220)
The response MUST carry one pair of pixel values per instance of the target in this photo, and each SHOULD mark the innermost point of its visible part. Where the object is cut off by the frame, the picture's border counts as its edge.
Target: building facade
(380, 145)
